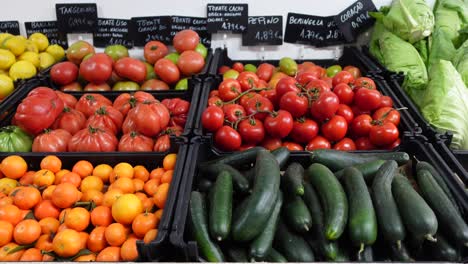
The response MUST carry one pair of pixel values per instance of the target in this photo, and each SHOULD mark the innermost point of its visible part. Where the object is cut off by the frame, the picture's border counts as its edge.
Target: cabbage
(460, 61)
(411, 20)
(444, 103)
(452, 15)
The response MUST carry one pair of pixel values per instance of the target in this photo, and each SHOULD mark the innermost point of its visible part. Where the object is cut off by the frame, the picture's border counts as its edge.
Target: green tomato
(126, 86)
(288, 66)
(333, 70)
(174, 57)
(200, 48)
(250, 68)
(230, 74)
(182, 84)
(14, 139)
(150, 74)
(116, 52)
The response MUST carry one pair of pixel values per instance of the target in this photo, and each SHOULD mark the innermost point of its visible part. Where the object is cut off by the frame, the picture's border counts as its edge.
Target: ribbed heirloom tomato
(148, 118)
(70, 120)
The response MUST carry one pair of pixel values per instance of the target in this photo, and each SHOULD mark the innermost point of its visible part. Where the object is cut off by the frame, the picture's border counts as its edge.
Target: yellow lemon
(4, 72)
(15, 44)
(6, 59)
(30, 46)
(45, 60)
(41, 41)
(56, 51)
(6, 86)
(7, 185)
(22, 70)
(3, 36)
(31, 57)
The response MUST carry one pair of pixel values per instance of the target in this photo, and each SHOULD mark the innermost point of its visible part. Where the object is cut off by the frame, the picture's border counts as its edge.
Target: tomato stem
(244, 93)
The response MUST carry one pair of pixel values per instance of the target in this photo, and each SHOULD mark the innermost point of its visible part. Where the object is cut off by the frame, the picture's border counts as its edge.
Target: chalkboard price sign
(355, 19)
(332, 36)
(145, 29)
(76, 18)
(111, 31)
(312, 30)
(197, 24)
(11, 27)
(227, 17)
(48, 28)
(263, 30)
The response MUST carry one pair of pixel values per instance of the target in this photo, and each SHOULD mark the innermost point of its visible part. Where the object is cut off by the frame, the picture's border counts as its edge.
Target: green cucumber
(236, 159)
(442, 250)
(332, 198)
(451, 221)
(275, 256)
(337, 160)
(236, 254)
(391, 226)
(292, 245)
(297, 215)
(281, 155)
(418, 217)
(261, 245)
(260, 204)
(291, 182)
(400, 253)
(362, 223)
(367, 255)
(368, 169)
(342, 255)
(204, 185)
(221, 207)
(241, 184)
(199, 226)
(328, 249)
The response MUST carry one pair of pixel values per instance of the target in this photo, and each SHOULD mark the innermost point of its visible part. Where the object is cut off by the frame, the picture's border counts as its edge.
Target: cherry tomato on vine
(229, 89)
(367, 99)
(223, 69)
(247, 80)
(294, 103)
(361, 125)
(364, 82)
(270, 94)
(395, 144)
(385, 134)
(212, 118)
(346, 144)
(319, 86)
(271, 143)
(292, 146)
(305, 78)
(325, 106)
(259, 103)
(228, 139)
(318, 142)
(284, 85)
(214, 93)
(251, 131)
(343, 77)
(386, 101)
(239, 67)
(344, 92)
(233, 112)
(346, 112)
(246, 97)
(304, 130)
(353, 70)
(387, 114)
(279, 124)
(363, 143)
(215, 100)
(335, 129)
(265, 71)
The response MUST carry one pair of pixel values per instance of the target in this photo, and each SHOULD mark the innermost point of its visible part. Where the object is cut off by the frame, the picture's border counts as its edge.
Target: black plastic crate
(457, 159)
(21, 87)
(416, 146)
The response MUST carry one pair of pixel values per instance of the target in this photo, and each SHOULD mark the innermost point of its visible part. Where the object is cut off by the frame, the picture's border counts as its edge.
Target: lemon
(56, 51)
(4, 72)
(31, 57)
(3, 36)
(22, 70)
(6, 59)
(45, 60)
(30, 46)
(41, 41)
(6, 86)
(7, 185)
(15, 44)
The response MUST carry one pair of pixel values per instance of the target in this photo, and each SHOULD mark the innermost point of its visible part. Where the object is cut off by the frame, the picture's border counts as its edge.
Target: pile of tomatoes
(114, 67)
(302, 107)
(59, 122)
(82, 213)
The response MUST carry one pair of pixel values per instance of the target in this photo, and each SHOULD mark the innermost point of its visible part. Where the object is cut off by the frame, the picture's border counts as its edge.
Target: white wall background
(41, 10)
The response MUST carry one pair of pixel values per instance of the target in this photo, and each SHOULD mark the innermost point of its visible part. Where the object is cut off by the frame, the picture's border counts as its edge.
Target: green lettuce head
(460, 61)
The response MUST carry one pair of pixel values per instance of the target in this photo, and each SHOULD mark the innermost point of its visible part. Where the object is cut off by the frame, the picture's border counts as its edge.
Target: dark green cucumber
(199, 225)
(442, 250)
(204, 185)
(451, 221)
(328, 249)
(241, 184)
(332, 198)
(235, 159)
(275, 256)
(297, 214)
(281, 155)
(236, 254)
(260, 204)
(399, 252)
(291, 182)
(342, 255)
(292, 245)
(417, 216)
(337, 160)
(367, 255)
(391, 226)
(362, 222)
(221, 207)
(261, 245)
(368, 169)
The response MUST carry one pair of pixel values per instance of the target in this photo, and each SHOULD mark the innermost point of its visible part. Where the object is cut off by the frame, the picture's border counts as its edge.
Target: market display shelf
(457, 159)
(201, 150)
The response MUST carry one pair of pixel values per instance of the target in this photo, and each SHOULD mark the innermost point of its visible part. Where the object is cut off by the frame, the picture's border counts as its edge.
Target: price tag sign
(355, 19)
(197, 24)
(332, 36)
(111, 31)
(11, 27)
(263, 30)
(227, 17)
(48, 28)
(145, 29)
(76, 18)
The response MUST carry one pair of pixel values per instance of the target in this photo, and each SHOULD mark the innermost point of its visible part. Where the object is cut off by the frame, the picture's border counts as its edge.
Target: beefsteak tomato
(52, 141)
(135, 142)
(148, 118)
(92, 139)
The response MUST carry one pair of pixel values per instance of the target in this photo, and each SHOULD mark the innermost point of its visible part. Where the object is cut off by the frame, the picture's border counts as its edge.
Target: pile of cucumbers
(341, 207)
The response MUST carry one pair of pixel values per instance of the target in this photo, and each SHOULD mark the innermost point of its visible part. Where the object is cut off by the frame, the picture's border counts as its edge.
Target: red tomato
(344, 92)
(270, 94)
(262, 84)
(74, 86)
(130, 68)
(134, 142)
(247, 80)
(314, 69)
(271, 143)
(365, 82)
(67, 99)
(178, 108)
(385, 134)
(167, 71)
(92, 87)
(227, 139)
(233, 112)
(363, 143)
(292, 146)
(245, 98)
(155, 50)
(325, 106)
(265, 71)
(394, 145)
(213, 93)
(212, 118)
(154, 85)
(251, 131)
(294, 103)
(229, 89)
(148, 118)
(304, 130)
(259, 103)
(90, 102)
(387, 114)
(186, 39)
(97, 69)
(318, 142)
(125, 101)
(223, 69)
(346, 112)
(190, 62)
(70, 120)
(162, 144)
(237, 66)
(357, 111)
(346, 144)
(52, 141)
(305, 78)
(342, 77)
(386, 101)
(279, 124)
(367, 99)
(64, 73)
(335, 129)
(174, 130)
(93, 140)
(353, 70)
(216, 101)
(246, 147)
(284, 85)
(318, 86)
(361, 125)
(107, 118)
